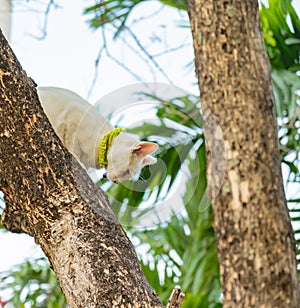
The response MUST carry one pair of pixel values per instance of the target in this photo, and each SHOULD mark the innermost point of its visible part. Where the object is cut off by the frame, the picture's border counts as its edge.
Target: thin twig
(148, 54)
(96, 71)
(46, 16)
(110, 56)
(176, 298)
(173, 49)
(145, 17)
(126, 43)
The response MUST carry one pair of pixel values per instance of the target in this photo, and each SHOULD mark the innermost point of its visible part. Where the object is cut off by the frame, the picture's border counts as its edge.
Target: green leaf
(178, 4)
(34, 284)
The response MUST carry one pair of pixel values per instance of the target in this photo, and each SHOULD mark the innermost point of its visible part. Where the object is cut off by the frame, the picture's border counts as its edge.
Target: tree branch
(49, 196)
(176, 298)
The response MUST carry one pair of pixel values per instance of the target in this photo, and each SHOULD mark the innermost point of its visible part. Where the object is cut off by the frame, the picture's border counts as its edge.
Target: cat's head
(127, 156)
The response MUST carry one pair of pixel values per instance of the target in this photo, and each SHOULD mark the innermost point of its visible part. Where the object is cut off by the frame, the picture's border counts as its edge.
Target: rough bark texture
(49, 196)
(254, 236)
(176, 298)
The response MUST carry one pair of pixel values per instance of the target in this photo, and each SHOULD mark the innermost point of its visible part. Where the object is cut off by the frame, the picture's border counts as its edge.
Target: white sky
(66, 57)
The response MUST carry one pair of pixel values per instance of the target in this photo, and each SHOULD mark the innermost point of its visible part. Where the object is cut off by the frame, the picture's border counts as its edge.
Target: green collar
(105, 144)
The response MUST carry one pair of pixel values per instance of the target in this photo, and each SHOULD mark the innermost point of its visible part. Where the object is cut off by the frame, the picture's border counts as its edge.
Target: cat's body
(81, 128)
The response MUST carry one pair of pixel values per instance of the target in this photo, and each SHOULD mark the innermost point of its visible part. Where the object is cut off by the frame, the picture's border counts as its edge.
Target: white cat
(84, 131)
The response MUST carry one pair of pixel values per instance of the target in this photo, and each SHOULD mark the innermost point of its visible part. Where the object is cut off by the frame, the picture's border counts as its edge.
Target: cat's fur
(81, 128)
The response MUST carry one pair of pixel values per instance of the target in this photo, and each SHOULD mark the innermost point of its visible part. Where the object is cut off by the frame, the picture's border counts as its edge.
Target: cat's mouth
(105, 177)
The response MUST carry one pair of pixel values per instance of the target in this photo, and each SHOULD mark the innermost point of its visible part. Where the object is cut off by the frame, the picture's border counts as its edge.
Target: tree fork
(255, 240)
(49, 196)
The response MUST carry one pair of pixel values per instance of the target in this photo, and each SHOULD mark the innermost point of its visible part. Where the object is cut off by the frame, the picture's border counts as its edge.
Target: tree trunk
(49, 196)
(254, 236)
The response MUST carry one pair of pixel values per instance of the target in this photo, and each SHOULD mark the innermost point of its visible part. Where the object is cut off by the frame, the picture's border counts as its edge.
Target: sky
(66, 57)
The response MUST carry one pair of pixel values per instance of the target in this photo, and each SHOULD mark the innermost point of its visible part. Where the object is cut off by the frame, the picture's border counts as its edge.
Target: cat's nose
(116, 181)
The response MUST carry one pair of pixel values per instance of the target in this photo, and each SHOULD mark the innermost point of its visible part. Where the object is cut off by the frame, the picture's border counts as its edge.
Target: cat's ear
(144, 148)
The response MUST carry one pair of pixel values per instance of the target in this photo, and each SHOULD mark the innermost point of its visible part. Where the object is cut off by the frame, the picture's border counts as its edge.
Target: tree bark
(255, 240)
(49, 196)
